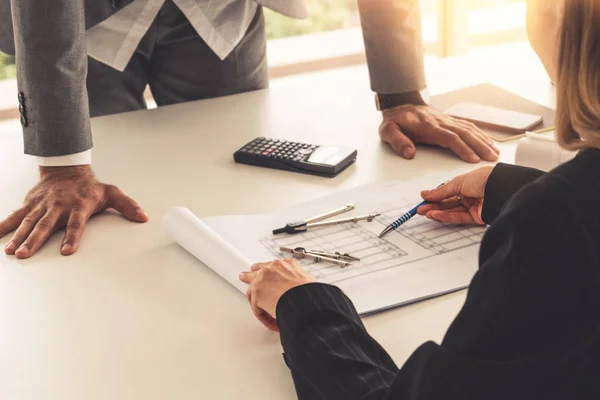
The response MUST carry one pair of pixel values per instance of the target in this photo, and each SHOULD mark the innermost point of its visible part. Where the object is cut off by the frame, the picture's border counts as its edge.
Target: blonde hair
(578, 82)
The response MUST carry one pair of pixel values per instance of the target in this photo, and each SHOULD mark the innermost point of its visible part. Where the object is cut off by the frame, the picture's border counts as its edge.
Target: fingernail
(22, 249)
(408, 152)
(66, 248)
(10, 245)
(425, 192)
(241, 275)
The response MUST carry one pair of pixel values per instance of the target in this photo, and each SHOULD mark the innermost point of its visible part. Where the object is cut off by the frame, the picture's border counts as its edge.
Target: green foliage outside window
(324, 15)
(7, 66)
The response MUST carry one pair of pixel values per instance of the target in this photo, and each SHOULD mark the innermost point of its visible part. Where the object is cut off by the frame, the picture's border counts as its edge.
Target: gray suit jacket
(51, 57)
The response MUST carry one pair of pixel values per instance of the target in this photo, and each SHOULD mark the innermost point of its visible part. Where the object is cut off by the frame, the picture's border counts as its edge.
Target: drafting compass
(343, 260)
(317, 221)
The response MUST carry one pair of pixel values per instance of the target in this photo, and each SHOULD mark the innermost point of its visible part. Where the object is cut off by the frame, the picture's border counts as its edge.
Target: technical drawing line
(377, 254)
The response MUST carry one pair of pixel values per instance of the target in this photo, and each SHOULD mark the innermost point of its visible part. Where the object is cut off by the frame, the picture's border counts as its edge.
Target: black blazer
(529, 329)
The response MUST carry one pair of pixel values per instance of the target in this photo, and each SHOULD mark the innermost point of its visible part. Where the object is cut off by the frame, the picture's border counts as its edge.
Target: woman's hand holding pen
(459, 201)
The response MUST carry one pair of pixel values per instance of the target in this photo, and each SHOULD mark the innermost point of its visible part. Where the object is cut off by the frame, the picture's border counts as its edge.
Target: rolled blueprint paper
(191, 233)
(541, 152)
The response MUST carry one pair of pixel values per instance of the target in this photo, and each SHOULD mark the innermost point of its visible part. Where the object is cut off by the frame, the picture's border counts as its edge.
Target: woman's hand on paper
(459, 201)
(405, 126)
(268, 282)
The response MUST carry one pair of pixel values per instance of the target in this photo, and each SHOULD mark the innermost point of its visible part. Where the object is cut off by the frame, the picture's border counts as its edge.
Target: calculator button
(305, 151)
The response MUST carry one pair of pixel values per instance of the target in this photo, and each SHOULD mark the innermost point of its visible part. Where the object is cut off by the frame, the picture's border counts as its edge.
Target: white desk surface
(132, 315)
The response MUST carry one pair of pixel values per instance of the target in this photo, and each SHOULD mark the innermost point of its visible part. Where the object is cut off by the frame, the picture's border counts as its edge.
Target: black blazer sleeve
(523, 325)
(504, 181)
(327, 348)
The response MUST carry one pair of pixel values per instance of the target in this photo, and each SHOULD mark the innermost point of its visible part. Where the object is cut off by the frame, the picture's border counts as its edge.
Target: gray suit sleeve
(394, 45)
(51, 62)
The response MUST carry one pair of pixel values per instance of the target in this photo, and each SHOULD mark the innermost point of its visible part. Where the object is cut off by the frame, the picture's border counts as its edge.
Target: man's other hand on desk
(64, 197)
(405, 126)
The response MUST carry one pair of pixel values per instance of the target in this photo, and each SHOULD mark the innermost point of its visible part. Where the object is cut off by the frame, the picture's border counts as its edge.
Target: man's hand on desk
(64, 197)
(405, 126)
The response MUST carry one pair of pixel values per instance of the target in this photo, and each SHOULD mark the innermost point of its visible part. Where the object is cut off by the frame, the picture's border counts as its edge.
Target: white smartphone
(494, 117)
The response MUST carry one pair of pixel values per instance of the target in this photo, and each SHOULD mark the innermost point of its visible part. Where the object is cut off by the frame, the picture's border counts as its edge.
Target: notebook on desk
(491, 95)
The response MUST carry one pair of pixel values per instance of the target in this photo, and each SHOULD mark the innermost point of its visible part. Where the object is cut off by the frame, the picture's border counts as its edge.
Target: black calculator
(306, 158)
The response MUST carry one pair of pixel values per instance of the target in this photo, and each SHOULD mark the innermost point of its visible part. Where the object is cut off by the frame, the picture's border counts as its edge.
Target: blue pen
(400, 221)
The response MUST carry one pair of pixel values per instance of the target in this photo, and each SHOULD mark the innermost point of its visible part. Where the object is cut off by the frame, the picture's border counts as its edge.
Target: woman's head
(578, 83)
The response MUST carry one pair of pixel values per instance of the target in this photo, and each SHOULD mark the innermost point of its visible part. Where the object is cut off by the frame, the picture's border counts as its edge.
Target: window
(449, 27)
(467, 24)
(331, 36)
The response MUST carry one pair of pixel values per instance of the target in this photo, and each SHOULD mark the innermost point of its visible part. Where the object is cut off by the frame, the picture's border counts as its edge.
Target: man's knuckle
(31, 201)
(29, 219)
(14, 216)
(44, 225)
(74, 225)
(78, 205)
(385, 127)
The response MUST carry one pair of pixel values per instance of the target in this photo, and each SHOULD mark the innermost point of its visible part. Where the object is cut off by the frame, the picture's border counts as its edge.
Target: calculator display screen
(328, 155)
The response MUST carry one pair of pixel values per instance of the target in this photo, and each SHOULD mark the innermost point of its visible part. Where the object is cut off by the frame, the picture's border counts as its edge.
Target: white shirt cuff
(83, 158)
